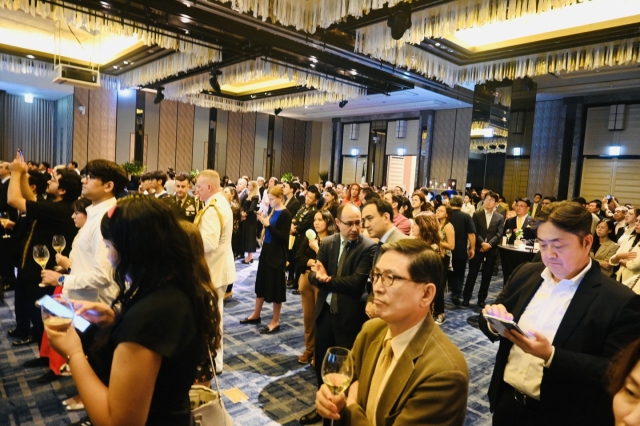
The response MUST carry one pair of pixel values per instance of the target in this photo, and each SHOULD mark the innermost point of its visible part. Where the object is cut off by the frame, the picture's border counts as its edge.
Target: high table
(511, 258)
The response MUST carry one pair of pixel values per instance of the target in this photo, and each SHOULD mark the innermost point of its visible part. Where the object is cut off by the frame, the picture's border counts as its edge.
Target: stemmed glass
(337, 370)
(58, 243)
(4, 219)
(55, 316)
(508, 234)
(41, 256)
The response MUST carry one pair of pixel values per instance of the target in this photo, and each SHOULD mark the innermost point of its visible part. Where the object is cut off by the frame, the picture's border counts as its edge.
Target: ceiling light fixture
(313, 65)
(28, 98)
(343, 103)
(400, 21)
(159, 95)
(31, 57)
(213, 81)
(115, 67)
(313, 59)
(126, 62)
(353, 72)
(277, 111)
(185, 19)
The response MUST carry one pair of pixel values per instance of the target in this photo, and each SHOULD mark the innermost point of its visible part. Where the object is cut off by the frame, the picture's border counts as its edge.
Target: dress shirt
(488, 215)
(159, 194)
(468, 208)
(520, 222)
(6, 179)
(384, 238)
(90, 269)
(543, 314)
(398, 345)
(620, 224)
(328, 299)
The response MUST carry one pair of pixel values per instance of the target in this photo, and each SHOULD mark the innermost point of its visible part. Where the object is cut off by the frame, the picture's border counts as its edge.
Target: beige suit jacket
(428, 386)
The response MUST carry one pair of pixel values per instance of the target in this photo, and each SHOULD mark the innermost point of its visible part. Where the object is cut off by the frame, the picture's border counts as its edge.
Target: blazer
(491, 234)
(428, 385)
(350, 285)
(527, 227)
(276, 251)
(293, 206)
(217, 240)
(604, 253)
(395, 235)
(189, 209)
(602, 318)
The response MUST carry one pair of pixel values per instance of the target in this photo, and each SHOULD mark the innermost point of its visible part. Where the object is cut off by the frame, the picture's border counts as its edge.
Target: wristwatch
(61, 280)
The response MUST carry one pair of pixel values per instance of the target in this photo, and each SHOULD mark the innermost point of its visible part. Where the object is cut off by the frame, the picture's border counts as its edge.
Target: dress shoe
(455, 300)
(37, 362)
(244, 262)
(310, 418)
(23, 342)
(267, 330)
(251, 321)
(290, 284)
(296, 291)
(481, 305)
(465, 303)
(47, 377)
(16, 334)
(305, 358)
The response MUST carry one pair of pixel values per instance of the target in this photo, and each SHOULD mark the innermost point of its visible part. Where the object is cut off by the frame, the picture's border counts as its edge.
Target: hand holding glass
(58, 243)
(41, 256)
(337, 370)
(58, 315)
(4, 219)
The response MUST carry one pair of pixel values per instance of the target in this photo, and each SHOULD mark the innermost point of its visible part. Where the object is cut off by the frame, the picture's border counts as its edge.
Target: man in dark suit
(536, 206)
(302, 221)
(291, 202)
(342, 269)
(489, 227)
(186, 206)
(522, 221)
(576, 319)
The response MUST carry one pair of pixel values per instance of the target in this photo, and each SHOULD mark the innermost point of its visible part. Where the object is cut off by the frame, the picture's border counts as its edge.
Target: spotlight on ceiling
(277, 111)
(159, 95)
(342, 104)
(400, 21)
(213, 81)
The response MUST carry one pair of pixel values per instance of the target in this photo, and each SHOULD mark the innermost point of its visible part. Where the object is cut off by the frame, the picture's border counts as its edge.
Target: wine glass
(337, 370)
(41, 256)
(57, 314)
(4, 219)
(508, 234)
(58, 243)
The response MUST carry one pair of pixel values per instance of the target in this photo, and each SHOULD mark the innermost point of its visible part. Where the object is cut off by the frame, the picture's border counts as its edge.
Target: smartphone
(501, 324)
(21, 155)
(81, 324)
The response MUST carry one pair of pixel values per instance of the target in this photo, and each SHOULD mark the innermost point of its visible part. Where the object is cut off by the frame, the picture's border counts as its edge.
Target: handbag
(207, 407)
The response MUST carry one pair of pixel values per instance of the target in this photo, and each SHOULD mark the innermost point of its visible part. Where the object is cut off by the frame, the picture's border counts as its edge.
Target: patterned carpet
(264, 367)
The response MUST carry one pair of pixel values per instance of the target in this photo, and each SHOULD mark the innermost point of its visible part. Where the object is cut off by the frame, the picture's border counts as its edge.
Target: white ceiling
(21, 84)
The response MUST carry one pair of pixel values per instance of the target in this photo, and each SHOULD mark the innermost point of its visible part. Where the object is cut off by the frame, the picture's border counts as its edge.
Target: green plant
(134, 168)
(194, 173)
(287, 177)
(324, 175)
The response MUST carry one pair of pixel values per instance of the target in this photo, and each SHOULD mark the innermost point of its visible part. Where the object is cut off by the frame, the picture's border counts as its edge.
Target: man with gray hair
(242, 190)
(215, 222)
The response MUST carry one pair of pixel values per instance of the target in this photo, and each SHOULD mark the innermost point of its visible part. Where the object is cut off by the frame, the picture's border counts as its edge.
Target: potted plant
(287, 177)
(134, 168)
(324, 176)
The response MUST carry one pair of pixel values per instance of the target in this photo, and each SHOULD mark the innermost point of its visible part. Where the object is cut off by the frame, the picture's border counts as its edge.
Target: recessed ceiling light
(450, 50)
(186, 3)
(31, 57)
(438, 44)
(313, 65)
(443, 47)
(115, 67)
(28, 98)
(126, 62)
(353, 72)
(306, 106)
(186, 31)
(185, 18)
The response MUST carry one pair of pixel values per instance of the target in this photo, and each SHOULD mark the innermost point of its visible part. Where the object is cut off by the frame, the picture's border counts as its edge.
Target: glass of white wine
(57, 315)
(337, 370)
(58, 243)
(4, 219)
(508, 234)
(41, 256)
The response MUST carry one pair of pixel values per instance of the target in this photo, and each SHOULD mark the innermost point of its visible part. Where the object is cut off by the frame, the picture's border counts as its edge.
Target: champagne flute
(41, 256)
(4, 219)
(337, 370)
(508, 234)
(57, 314)
(58, 243)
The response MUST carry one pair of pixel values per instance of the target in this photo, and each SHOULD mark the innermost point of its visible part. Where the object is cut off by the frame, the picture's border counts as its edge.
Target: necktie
(384, 361)
(520, 220)
(334, 297)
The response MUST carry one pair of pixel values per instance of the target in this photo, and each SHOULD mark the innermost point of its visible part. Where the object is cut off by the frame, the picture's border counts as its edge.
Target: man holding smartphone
(577, 319)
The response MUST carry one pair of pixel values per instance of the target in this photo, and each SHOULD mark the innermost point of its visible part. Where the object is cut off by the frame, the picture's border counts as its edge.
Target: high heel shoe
(251, 321)
(244, 262)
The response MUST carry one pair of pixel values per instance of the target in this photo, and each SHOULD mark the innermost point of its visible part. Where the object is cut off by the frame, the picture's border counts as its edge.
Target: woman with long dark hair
(331, 203)
(447, 243)
(151, 344)
(623, 384)
(250, 222)
(603, 246)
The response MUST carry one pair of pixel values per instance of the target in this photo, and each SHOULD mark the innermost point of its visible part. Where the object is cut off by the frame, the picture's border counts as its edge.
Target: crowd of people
(150, 261)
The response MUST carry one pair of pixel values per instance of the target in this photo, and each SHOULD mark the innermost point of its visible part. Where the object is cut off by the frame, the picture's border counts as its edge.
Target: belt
(525, 400)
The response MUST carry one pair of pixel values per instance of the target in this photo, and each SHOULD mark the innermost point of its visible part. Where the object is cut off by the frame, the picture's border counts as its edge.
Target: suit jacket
(275, 253)
(500, 209)
(491, 234)
(536, 208)
(350, 285)
(527, 227)
(293, 206)
(602, 318)
(428, 385)
(394, 236)
(189, 208)
(4, 205)
(217, 240)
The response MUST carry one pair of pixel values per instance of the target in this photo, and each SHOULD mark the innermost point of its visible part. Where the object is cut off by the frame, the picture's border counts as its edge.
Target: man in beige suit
(407, 371)
(215, 222)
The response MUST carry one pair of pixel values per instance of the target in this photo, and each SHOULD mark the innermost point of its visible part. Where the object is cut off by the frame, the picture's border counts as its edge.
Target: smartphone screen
(48, 302)
(21, 155)
(500, 325)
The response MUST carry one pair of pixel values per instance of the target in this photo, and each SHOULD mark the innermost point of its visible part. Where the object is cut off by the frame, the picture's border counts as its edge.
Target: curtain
(29, 127)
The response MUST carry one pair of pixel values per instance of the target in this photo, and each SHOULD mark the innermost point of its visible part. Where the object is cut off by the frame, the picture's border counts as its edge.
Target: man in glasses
(407, 371)
(341, 273)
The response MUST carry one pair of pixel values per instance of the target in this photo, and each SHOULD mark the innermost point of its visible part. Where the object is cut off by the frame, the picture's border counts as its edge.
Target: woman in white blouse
(629, 260)
(467, 206)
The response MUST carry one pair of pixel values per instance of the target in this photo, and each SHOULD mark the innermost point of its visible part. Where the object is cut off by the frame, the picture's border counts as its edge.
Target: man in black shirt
(465, 232)
(47, 219)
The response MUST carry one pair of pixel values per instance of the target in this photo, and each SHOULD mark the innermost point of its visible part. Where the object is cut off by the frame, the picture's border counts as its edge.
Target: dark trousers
(509, 412)
(456, 277)
(35, 314)
(23, 323)
(487, 263)
(438, 302)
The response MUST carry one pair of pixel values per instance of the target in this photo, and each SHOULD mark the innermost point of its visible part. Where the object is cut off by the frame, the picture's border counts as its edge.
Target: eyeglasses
(388, 278)
(356, 223)
(88, 176)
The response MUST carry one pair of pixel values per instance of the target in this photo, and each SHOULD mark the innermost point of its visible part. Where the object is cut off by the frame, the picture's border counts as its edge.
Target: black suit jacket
(4, 205)
(275, 253)
(491, 234)
(293, 206)
(602, 318)
(527, 227)
(350, 285)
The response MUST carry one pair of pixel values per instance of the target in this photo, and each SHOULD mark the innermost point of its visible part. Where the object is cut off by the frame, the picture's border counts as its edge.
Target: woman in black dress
(149, 349)
(331, 202)
(248, 241)
(231, 195)
(270, 281)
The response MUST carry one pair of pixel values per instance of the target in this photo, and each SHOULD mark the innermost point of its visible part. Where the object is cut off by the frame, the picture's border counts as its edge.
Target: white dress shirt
(90, 268)
(543, 314)
(488, 215)
(398, 345)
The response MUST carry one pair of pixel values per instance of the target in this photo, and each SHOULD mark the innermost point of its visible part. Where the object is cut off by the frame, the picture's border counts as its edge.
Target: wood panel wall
(167, 134)
(247, 149)
(184, 139)
(288, 141)
(234, 145)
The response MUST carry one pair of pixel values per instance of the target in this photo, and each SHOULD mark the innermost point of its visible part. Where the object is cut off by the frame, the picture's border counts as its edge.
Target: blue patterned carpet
(264, 367)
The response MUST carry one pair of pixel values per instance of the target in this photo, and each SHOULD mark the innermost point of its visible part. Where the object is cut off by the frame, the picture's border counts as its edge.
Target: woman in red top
(353, 196)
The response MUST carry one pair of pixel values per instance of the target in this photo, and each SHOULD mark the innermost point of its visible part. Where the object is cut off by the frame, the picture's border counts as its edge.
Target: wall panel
(247, 150)
(307, 151)
(234, 144)
(184, 146)
(299, 144)
(167, 135)
(288, 141)
(546, 148)
(80, 125)
(450, 151)
(103, 106)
